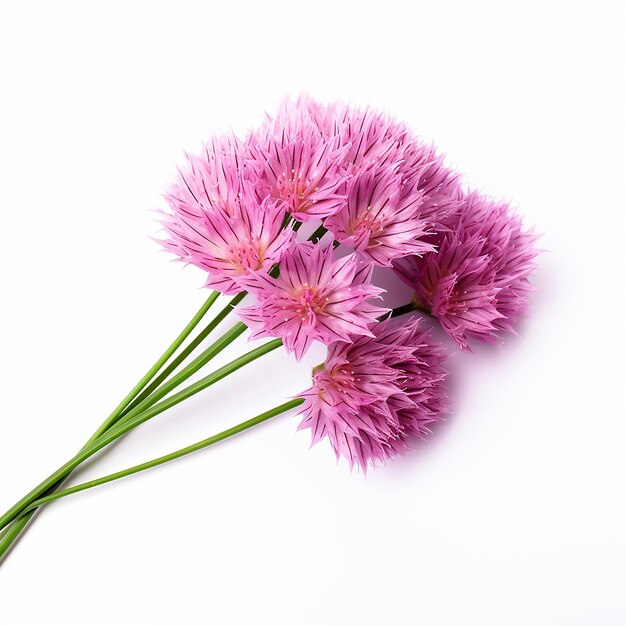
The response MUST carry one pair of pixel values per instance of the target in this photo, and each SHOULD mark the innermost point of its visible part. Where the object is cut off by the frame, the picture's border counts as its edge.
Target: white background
(513, 513)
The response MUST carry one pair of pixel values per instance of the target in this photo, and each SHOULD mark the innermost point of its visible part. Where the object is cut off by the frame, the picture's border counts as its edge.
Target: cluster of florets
(379, 196)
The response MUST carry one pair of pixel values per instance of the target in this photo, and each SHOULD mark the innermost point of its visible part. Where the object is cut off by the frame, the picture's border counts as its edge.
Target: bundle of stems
(151, 396)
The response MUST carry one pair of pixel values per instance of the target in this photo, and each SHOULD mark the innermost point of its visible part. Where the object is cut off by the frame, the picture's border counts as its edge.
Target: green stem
(414, 305)
(403, 310)
(283, 408)
(318, 234)
(200, 361)
(187, 351)
(156, 367)
(11, 534)
(132, 421)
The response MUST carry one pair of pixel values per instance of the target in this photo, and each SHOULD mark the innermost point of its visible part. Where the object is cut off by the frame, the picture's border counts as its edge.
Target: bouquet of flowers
(295, 219)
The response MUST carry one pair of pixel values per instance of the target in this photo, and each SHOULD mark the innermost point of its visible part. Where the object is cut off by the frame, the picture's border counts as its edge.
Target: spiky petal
(380, 220)
(477, 282)
(299, 166)
(372, 395)
(315, 297)
(218, 223)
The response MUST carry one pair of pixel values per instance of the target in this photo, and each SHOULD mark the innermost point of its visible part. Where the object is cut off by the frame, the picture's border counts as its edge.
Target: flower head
(299, 166)
(398, 187)
(372, 138)
(315, 297)
(211, 180)
(371, 395)
(477, 282)
(217, 221)
(423, 170)
(381, 220)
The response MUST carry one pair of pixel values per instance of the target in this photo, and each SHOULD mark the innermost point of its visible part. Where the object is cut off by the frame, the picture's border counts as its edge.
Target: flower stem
(155, 368)
(187, 351)
(200, 361)
(414, 305)
(318, 234)
(11, 534)
(282, 408)
(132, 420)
(403, 310)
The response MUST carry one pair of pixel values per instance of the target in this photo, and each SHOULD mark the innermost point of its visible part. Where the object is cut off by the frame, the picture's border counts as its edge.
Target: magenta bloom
(381, 219)
(367, 136)
(372, 138)
(299, 166)
(217, 222)
(211, 180)
(315, 297)
(371, 395)
(398, 189)
(422, 169)
(477, 282)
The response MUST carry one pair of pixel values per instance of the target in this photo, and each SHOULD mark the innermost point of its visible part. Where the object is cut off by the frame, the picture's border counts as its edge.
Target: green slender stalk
(156, 367)
(132, 421)
(278, 410)
(318, 234)
(402, 310)
(234, 301)
(13, 532)
(409, 307)
(213, 350)
(10, 535)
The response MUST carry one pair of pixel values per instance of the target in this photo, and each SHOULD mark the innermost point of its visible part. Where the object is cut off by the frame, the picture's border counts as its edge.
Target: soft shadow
(482, 355)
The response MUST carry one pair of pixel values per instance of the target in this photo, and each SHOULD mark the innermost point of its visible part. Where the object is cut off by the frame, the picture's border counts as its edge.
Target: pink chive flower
(477, 282)
(373, 138)
(364, 133)
(298, 166)
(305, 111)
(371, 395)
(423, 169)
(377, 140)
(512, 252)
(381, 220)
(398, 188)
(211, 180)
(380, 142)
(315, 297)
(217, 222)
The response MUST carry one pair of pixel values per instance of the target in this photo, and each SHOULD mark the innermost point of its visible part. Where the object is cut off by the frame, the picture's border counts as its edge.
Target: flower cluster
(386, 198)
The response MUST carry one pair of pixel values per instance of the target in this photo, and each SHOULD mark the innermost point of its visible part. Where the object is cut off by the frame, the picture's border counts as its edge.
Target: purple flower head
(512, 253)
(373, 138)
(398, 186)
(381, 220)
(212, 179)
(371, 395)
(366, 134)
(477, 282)
(217, 222)
(299, 166)
(423, 171)
(304, 111)
(315, 297)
